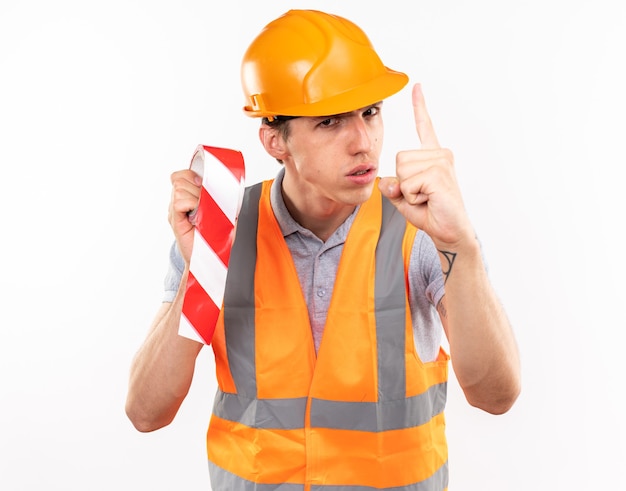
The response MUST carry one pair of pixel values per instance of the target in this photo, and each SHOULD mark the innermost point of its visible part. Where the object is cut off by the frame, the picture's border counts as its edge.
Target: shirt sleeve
(174, 274)
(426, 288)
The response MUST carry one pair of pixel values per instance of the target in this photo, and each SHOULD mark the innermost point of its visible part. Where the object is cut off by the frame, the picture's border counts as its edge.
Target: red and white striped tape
(223, 174)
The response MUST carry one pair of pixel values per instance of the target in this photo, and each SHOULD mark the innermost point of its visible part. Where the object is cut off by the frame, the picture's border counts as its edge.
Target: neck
(320, 218)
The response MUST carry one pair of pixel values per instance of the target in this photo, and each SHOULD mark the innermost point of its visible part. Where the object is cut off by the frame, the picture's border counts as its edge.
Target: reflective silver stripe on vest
(239, 296)
(222, 480)
(379, 416)
(286, 414)
(390, 301)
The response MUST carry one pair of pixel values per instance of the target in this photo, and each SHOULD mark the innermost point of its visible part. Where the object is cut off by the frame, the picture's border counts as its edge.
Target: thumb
(390, 189)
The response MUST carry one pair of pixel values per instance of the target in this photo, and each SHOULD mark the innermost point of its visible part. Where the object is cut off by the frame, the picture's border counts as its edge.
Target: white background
(101, 101)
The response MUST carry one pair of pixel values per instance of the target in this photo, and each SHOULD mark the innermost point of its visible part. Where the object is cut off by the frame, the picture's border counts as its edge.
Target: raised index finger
(423, 124)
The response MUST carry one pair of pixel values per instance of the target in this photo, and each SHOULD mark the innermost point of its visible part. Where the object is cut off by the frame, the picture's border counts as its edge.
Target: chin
(361, 195)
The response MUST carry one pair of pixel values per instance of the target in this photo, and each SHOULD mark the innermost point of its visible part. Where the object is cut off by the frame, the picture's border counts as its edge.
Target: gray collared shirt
(316, 263)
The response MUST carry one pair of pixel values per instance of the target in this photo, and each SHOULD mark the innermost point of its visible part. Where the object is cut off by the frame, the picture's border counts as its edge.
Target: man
(328, 356)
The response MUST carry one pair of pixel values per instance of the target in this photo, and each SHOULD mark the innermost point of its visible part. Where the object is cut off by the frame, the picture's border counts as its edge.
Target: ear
(273, 142)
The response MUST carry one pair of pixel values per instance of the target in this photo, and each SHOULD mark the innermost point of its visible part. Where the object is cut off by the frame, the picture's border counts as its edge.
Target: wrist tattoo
(450, 257)
(442, 309)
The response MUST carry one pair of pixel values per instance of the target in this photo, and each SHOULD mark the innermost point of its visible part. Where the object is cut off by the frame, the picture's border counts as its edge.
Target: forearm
(162, 370)
(482, 345)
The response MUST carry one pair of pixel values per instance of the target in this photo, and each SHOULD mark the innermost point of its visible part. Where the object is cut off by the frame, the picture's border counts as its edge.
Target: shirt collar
(286, 222)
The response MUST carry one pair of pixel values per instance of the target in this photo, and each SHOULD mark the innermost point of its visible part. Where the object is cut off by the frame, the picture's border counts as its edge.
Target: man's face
(334, 158)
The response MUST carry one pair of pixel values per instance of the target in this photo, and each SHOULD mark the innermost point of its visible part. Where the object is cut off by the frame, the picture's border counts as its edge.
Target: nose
(360, 140)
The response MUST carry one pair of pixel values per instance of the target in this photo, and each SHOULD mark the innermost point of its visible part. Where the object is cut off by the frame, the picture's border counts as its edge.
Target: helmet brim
(371, 92)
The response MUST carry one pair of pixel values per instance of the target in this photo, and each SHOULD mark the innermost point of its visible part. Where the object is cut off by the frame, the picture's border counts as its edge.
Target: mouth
(362, 175)
(361, 170)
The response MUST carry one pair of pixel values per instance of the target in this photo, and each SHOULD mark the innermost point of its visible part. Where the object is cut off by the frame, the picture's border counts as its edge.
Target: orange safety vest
(365, 413)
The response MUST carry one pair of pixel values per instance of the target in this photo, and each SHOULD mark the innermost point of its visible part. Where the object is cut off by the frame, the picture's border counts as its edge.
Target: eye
(371, 111)
(329, 122)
